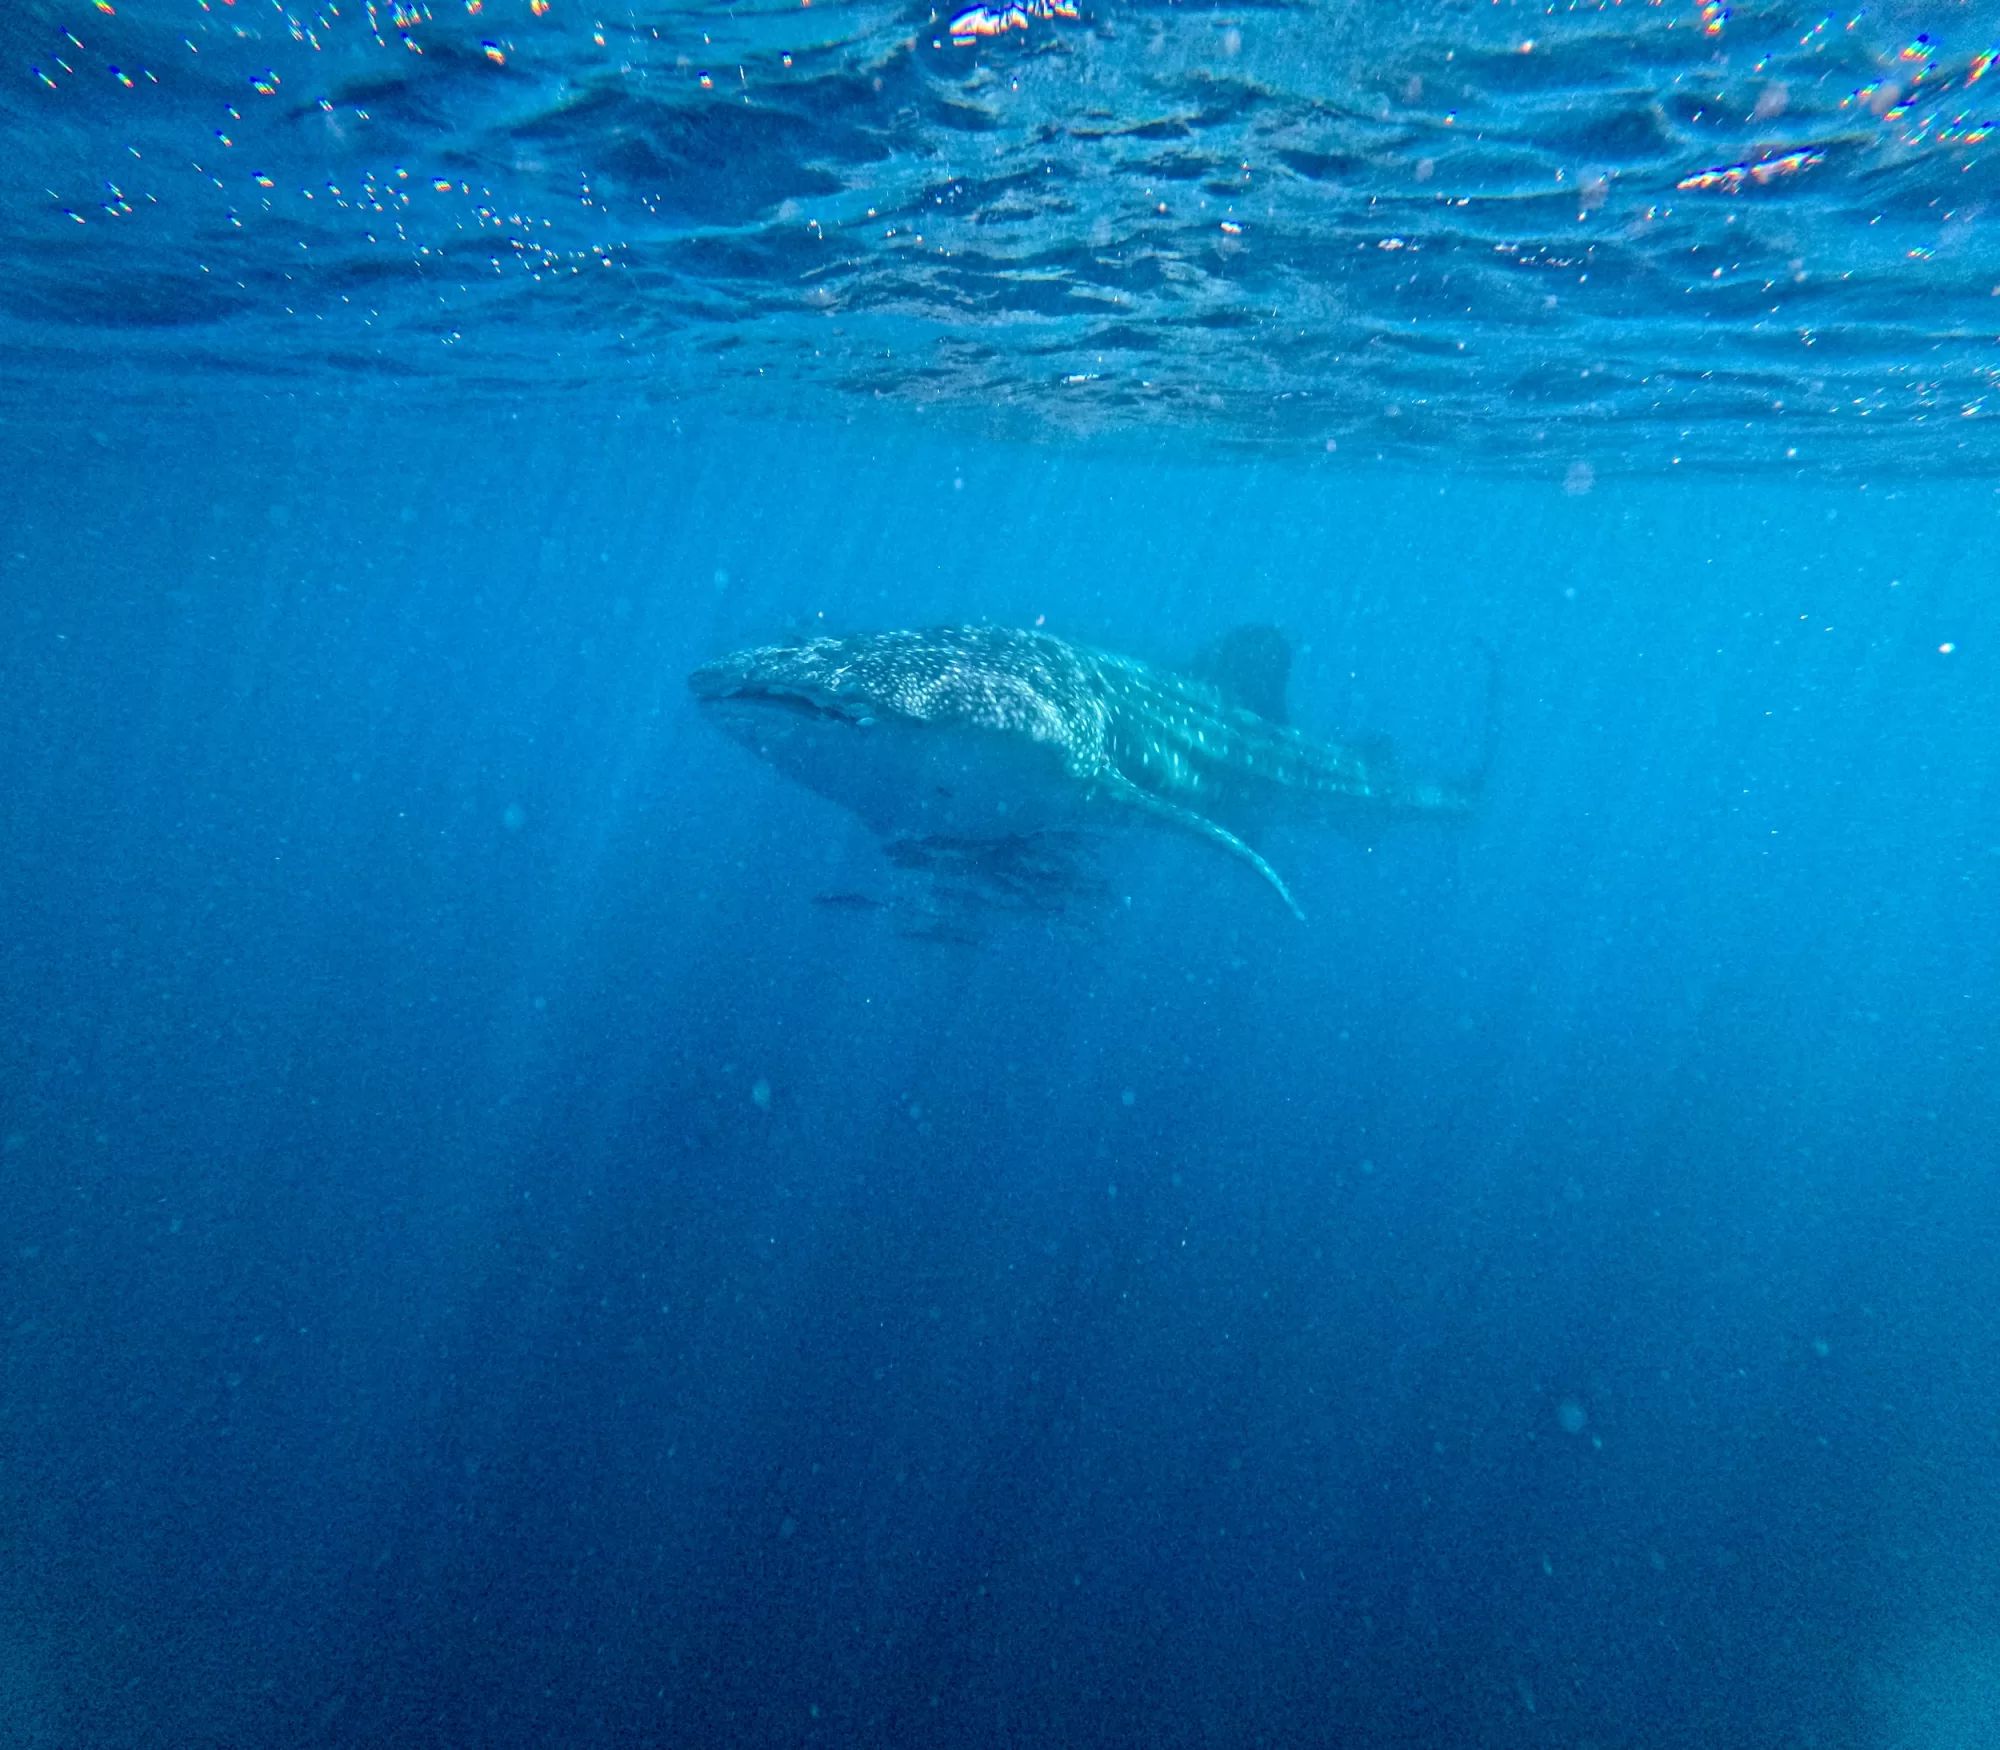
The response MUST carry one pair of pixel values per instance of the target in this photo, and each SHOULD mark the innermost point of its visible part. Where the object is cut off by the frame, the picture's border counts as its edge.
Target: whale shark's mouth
(718, 688)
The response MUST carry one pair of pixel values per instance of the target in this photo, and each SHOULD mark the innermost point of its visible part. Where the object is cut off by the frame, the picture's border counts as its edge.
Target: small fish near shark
(992, 758)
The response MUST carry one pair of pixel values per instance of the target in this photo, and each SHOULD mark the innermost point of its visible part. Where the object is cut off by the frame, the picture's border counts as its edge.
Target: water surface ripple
(1652, 236)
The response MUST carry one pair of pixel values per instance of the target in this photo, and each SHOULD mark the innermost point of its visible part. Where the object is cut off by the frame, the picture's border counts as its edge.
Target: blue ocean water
(490, 1257)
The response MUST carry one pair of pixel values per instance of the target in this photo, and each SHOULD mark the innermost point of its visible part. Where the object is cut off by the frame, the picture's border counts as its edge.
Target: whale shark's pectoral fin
(1186, 818)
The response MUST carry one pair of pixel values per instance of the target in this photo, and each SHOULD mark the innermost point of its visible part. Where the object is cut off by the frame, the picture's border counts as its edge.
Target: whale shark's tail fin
(1473, 784)
(1457, 797)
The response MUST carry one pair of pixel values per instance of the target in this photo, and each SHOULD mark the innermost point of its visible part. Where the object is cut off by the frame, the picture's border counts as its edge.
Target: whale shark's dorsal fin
(1175, 815)
(1250, 667)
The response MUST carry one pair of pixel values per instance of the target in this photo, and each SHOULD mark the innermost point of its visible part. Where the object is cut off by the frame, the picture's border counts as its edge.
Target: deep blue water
(490, 1257)
(1547, 1298)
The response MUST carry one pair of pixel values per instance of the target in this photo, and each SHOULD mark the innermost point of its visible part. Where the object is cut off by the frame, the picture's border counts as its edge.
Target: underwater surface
(521, 1223)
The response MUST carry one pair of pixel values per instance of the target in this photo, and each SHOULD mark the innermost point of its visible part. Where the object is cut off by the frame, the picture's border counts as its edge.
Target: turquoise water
(509, 1237)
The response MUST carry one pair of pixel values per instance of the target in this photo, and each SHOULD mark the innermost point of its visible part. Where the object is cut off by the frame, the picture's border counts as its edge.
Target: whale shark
(991, 757)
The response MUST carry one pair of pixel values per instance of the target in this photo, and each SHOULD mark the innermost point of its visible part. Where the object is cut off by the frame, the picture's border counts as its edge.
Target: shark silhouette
(988, 755)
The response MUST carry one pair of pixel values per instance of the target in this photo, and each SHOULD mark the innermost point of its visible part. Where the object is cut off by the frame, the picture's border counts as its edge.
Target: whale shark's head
(953, 731)
(817, 680)
(806, 710)
(978, 677)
